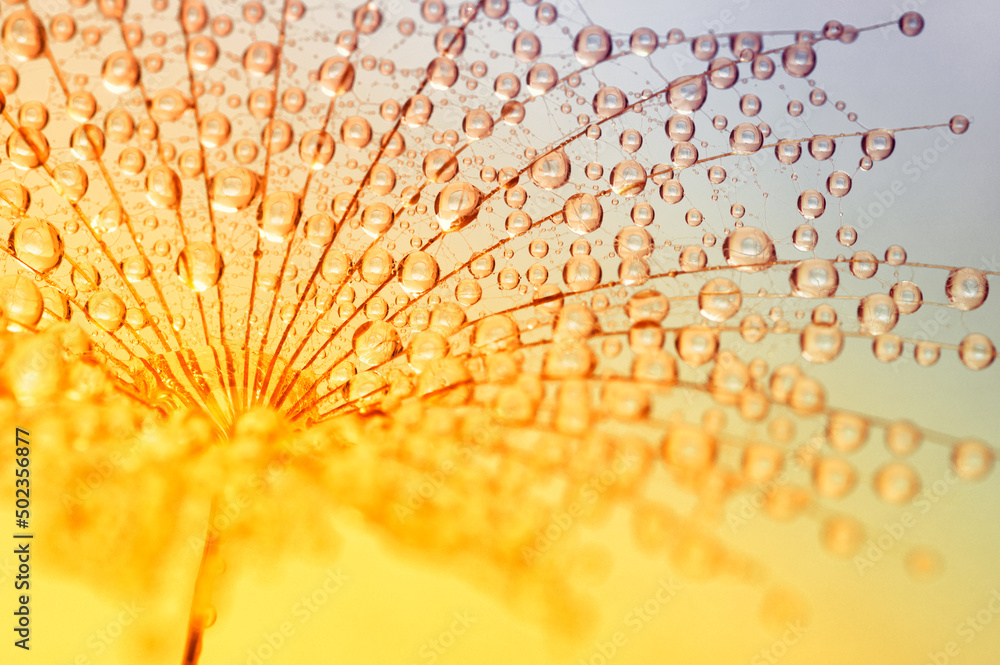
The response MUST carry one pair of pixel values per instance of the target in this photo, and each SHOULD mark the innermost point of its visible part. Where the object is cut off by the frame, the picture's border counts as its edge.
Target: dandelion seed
(482, 275)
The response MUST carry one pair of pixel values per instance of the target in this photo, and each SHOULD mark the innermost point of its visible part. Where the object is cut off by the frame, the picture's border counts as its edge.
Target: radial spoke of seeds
(250, 386)
(130, 391)
(405, 306)
(601, 194)
(226, 375)
(193, 371)
(105, 250)
(127, 348)
(182, 229)
(566, 141)
(117, 380)
(472, 14)
(281, 389)
(443, 280)
(102, 245)
(61, 78)
(127, 216)
(298, 409)
(190, 374)
(675, 274)
(288, 248)
(260, 394)
(297, 412)
(938, 438)
(723, 155)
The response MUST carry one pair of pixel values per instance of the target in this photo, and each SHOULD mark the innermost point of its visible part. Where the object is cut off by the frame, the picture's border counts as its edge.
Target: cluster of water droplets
(438, 230)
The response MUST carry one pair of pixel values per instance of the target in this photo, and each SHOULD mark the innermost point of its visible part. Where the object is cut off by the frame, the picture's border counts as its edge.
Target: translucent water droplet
(37, 244)
(199, 266)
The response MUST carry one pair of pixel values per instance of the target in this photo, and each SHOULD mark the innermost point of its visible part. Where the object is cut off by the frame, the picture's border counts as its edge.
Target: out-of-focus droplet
(847, 432)
(971, 459)
(924, 564)
(977, 351)
(376, 342)
(20, 301)
(843, 536)
(896, 482)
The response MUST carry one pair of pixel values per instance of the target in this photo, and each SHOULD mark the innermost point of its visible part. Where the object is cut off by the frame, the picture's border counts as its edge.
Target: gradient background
(393, 604)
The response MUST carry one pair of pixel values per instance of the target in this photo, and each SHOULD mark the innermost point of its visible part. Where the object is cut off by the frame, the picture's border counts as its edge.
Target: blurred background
(933, 594)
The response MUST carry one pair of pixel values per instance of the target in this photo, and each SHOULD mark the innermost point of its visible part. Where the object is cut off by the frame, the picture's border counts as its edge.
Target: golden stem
(202, 612)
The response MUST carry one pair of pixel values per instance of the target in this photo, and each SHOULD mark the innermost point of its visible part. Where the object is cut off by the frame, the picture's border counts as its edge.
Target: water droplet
(457, 205)
(23, 35)
(592, 45)
(20, 301)
(106, 310)
(199, 266)
(966, 288)
(232, 189)
(37, 244)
